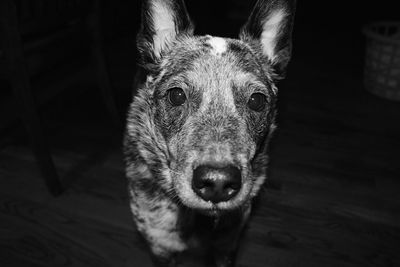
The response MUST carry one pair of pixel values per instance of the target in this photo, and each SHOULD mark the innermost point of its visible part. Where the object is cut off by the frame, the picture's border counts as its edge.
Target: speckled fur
(164, 143)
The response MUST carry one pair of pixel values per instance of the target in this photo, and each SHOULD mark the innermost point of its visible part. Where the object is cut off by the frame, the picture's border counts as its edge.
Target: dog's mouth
(211, 209)
(216, 211)
(212, 212)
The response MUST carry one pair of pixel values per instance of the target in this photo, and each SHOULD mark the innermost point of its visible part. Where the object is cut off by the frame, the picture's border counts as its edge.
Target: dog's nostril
(216, 184)
(232, 185)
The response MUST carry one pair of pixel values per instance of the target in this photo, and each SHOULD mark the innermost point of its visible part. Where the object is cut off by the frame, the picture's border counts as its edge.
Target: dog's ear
(270, 27)
(162, 21)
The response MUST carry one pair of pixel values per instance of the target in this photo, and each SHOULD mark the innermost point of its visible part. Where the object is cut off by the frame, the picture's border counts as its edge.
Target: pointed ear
(270, 28)
(162, 21)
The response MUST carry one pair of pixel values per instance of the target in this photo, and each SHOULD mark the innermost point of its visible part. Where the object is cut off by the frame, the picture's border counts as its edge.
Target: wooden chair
(37, 36)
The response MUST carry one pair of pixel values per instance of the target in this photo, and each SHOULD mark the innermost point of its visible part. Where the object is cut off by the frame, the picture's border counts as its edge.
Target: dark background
(327, 34)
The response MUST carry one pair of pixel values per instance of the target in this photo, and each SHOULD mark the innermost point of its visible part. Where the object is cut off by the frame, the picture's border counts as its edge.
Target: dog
(198, 129)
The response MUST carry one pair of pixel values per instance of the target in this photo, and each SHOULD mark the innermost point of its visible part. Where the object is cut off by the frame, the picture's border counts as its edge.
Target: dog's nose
(216, 184)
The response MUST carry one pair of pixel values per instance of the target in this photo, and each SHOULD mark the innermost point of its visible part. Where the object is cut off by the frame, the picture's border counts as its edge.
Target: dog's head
(205, 110)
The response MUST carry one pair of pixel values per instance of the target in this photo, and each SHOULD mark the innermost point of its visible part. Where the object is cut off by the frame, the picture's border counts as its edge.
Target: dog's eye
(257, 101)
(176, 96)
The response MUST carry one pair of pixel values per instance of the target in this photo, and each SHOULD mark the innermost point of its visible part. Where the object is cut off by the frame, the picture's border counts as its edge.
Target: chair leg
(31, 120)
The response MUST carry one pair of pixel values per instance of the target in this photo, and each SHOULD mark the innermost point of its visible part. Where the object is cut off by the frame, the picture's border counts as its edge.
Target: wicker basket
(382, 61)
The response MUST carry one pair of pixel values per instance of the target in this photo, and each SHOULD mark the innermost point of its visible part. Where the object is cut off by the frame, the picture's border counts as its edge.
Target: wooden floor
(332, 199)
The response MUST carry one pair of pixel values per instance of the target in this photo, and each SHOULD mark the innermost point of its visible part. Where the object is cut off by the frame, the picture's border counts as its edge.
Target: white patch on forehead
(149, 79)
(270, 32)
(218, 45)
(164, 25)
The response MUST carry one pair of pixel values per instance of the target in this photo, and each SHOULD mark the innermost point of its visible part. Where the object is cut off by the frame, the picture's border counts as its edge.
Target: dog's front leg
(156, 219)
(165, 244)
(226, 244)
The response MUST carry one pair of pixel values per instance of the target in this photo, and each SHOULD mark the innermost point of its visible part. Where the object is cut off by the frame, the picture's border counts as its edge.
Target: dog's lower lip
(213, 211)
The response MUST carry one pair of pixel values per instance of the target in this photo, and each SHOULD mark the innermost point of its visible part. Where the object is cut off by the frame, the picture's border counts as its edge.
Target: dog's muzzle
(216, 184)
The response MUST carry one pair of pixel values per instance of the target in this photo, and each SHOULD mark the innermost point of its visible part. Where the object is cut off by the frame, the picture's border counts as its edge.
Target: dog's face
(205, 111)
